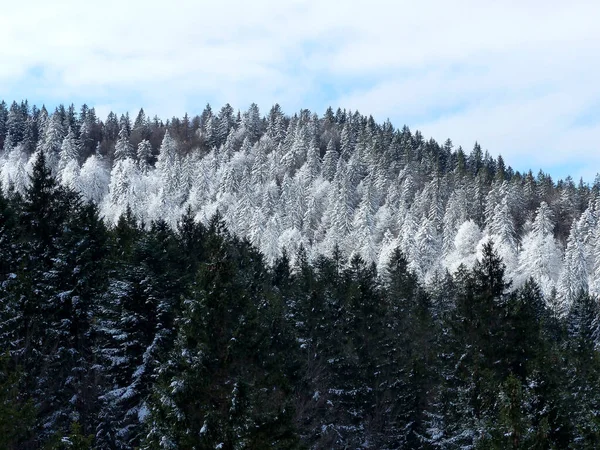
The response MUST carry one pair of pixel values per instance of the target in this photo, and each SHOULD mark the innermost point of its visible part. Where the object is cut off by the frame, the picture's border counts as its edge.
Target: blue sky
(519, 77)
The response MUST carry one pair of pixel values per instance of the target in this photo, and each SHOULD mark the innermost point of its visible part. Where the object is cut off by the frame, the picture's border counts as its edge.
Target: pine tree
(252, 123)
(573, 278)
(80, 277)
(540, 256)
(406, 364)
(16, 122)
(226, 122)
(138, 326)
(122, 189)
(3, 119)
(69, 151)
(240, 399)
(94, 179)
(454, 216)
(476, 330)
(582, 365)
(51, 141)
(13, 172)
(144, 155)
(503, 233)
(123, 148)
(330, 162)
(464, 247)
(32, 330)
(168, 167)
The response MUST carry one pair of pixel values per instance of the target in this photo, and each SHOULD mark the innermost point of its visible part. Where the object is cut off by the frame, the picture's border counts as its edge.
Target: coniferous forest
(239, 281)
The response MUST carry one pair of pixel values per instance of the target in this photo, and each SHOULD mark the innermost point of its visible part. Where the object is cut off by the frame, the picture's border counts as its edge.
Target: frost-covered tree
(501, 231)
(69, 151)
(341, 211)
(122, 190)
(587, 224)
(540, 256)
(312, 167)
(123, 148)
(260, 164)
(16, 122)
(251, 124)
(70, 176)
(144, 155)
(276, 126)
(330, 162)
(464, 250)
(170, 196)
(94, 178)
(363, 225)
(346, 142)
(595, 270)
(426, 252)
(573, 279)
(51, 141)
(454, 216)
(407, 237)
(14, 171)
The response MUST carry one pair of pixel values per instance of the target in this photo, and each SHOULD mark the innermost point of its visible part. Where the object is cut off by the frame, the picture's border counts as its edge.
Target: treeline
(337, 181)
(145, 335)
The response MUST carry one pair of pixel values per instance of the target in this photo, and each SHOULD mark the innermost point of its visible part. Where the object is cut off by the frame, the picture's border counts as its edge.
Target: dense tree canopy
(288, 282)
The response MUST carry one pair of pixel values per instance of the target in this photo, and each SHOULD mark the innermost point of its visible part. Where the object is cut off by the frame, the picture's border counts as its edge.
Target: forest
(234, 281)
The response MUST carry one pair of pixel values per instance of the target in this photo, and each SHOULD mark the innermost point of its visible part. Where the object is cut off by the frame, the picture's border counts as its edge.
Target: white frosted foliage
(540, 256)
(465, 245)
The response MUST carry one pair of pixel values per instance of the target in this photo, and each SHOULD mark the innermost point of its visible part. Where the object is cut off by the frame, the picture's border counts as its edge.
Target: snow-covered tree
(122, 190)
(426, 251)
(123, 148)
(144, 154)
(501, 231)
(69, 151)
(330, 162)
(573, 278)
(13, 171)
(363, 226)
(454, 216)
(465, 244)
(94, 178)
(51, 142)
(540, 256)
(170, 197)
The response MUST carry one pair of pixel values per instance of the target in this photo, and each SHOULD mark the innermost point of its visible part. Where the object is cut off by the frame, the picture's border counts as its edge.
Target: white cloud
(516, 76)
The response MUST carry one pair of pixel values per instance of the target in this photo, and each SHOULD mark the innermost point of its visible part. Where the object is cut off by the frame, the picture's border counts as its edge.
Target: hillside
(319, 182)
(287, 283)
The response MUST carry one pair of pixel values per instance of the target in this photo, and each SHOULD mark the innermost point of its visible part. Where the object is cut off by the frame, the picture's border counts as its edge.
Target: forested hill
(159, 337)
(238, 282)
(340, 180)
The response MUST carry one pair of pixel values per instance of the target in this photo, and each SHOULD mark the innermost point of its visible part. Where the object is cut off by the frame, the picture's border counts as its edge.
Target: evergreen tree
(573, 279)
(144, 155)
(80, 275)
(476, 331)
(540, 257)
(69, 151)
(94, 179)
(168, 167)
(123, 148)
(30, 326)
(226, 360)
(51, 141)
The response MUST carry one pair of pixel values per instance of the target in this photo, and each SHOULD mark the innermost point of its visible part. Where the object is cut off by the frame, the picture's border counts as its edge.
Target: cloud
(519, 77)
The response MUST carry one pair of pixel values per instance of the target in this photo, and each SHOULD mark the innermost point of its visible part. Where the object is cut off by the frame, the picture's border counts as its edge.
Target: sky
(520, 77)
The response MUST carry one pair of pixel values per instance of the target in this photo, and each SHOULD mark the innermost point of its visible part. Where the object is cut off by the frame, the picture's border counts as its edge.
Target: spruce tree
(224, 358)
